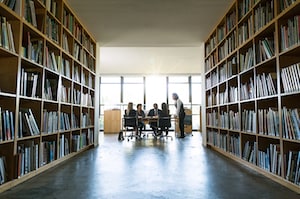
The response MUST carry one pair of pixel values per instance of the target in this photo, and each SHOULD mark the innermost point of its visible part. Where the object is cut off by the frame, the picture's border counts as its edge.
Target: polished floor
(149, 168)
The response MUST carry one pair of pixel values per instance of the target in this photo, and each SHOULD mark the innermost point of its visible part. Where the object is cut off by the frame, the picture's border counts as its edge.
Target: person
(154, 112)
(164, 113)
(180, 114)
(140, 114)
(130, 111)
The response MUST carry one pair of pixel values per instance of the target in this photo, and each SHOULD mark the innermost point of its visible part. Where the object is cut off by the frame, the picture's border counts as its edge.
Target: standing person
(140, 114)
(179, 113)
(154, 112)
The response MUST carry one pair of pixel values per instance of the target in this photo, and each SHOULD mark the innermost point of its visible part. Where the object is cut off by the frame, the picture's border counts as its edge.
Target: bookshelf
(47, 89)
(252, 78)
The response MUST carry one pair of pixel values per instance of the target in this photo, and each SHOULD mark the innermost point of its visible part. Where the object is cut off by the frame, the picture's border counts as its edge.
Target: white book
(11, 38)
(33, 14)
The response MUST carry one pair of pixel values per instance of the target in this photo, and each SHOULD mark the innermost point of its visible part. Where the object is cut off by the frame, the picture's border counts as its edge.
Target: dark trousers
(181, 124)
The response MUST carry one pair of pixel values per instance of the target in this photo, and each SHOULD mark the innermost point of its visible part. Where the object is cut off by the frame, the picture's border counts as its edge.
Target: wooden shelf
(257, 92)
(46, 91)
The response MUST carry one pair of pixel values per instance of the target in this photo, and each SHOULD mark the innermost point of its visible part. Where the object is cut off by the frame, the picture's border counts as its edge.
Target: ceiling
(150, 23)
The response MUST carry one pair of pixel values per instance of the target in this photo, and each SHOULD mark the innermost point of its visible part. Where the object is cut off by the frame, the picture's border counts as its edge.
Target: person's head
(155, 106)
(175, 96)
(164, 108)
(139, 107)
(130, 106)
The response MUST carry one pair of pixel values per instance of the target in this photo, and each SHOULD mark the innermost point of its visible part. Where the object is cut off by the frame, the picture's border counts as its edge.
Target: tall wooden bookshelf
(252, 88)
(47, 87)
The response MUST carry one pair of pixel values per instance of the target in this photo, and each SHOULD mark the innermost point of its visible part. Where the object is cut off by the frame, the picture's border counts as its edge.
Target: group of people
(156, 112)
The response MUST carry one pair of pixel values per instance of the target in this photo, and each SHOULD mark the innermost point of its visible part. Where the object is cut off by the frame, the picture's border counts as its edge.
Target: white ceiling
(150, 23)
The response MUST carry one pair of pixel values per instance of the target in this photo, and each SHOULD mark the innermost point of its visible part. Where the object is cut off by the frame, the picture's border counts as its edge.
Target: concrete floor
(149, 168)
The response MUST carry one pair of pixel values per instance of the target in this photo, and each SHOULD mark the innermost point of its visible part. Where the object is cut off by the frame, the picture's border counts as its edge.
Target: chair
(164, 123)
(130, 124)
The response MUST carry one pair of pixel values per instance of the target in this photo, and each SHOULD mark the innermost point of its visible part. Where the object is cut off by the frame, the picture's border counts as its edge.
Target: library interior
(70, 70)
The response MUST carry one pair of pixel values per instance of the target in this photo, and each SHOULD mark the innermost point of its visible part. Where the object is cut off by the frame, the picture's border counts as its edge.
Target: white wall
(150, 60)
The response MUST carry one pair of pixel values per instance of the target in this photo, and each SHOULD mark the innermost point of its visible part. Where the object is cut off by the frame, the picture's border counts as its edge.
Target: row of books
(292, 165)
(244, 7)
(6, 35)
(12, 4)
(65, 43)
(50, 90)
(290, 78)
(246, 59)
(50, 121)
(249, 121)
(85, 120)
(223, 97)
(27, 157)
(212, 80)
(76, 96)
(64, 147)
(7, 129)
(87, 99)
(270, 159)
(48, 153)
(230, 120)
(68, 20)
(263, 14)
(27, 123)
(265, 49)
(66, 68)
(212, 137)
(223, 73)
(65, 121)
(52, 29)
(51, 6)
(290, 123)
(29, 12)
(211, 61)
(52, 60)
(212, 118)
(221, 32)
(211, 45)
(230, 21)
(245, 30)
(87, 43)
(234, 145)
(212, 99)
(283, 4)
(78, 142)
(290, 33)
(65, 94)
(233, 94)
(265, 85)
(30, 85)
(250, 151)
(229, 46)
(268, 122)
(33, 50)
(3, 173)
(247, 90)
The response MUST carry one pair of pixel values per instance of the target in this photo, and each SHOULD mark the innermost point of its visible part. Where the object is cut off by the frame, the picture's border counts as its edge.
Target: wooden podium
(187, 122)
(112, 121)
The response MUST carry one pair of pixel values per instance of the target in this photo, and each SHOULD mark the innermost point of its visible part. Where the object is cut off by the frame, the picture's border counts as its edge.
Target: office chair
(164, 123)
(130, 124)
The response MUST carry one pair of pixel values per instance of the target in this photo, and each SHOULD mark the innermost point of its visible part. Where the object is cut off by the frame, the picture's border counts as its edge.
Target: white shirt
(178, 104)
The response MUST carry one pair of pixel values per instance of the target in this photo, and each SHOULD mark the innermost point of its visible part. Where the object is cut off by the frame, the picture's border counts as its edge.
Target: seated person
(130, 117)
(130, 111)
(140, 114)
(166, 123)
(154, 112)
